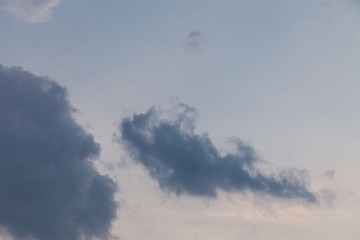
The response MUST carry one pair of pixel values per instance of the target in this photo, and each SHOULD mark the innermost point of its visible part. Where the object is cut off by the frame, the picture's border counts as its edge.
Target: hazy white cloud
(30, 10)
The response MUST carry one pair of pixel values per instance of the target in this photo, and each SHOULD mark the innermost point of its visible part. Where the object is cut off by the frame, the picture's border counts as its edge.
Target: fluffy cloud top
(184, 162)
(49, 186)
(30, 10)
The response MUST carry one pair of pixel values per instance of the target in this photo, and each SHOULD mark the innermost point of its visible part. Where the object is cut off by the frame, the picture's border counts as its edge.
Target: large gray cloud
(184, 162)
(49, 188)
(30, 10)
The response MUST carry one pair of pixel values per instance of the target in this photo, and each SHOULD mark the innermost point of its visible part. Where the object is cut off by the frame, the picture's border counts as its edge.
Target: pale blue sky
(282, 75)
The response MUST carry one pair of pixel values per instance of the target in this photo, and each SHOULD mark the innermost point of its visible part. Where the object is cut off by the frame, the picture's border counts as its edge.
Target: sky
(179, 120)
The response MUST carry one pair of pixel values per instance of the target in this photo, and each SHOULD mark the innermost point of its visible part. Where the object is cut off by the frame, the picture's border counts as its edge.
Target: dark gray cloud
(48, 184)
(194, 41)
(184, 162)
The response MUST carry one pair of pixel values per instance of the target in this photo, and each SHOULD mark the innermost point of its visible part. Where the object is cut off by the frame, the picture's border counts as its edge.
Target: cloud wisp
(49, 186)
(30, 10)
(184, 162)
(330, 174)
(194, 41)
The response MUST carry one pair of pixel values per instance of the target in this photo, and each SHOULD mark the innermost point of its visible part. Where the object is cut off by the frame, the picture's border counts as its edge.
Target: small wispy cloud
(184, 162)
(30, 10)
(330, 174)
(195, 41)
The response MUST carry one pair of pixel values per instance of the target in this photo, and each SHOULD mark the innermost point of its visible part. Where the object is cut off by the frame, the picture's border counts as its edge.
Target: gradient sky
(283, 76)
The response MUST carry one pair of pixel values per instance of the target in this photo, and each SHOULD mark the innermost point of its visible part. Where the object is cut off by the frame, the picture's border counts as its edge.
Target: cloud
(327, 196)
(194, 41)
(30, 10)
(184, 162)
(48, 184)
(330, 174)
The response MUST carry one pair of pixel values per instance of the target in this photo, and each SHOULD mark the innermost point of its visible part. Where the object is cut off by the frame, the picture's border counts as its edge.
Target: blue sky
(280, 75)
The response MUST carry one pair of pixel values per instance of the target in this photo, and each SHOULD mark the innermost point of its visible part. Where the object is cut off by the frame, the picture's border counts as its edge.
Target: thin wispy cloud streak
(29, 10)
(184, 162)
(49, 186)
